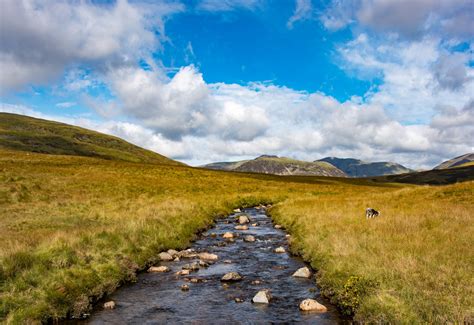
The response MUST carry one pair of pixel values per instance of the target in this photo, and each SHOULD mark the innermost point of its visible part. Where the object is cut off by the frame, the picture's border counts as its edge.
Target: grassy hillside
(458, 161)
(73, 228)
(18, 132)
(460, 173)
(279, 166)
(359, 168)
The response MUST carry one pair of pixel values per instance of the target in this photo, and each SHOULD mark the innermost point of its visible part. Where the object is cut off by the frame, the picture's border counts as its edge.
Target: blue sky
(212, 80)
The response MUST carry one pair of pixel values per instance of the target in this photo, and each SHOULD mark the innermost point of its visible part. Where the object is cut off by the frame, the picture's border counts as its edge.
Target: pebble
(262, 297)
(280, 250)
(109, 305)
(184, 287)
(228, 235)
(249, 239)
(278, 227)
(231, 276)
(244, 227)
(159, 269)
(312, 305)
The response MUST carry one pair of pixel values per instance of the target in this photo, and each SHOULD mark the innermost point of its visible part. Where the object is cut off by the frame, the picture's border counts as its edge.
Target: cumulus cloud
(408, 18)
(39, 39)
(303, 11)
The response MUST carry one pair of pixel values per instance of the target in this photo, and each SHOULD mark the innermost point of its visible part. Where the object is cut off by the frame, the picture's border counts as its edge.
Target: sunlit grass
(74, 228)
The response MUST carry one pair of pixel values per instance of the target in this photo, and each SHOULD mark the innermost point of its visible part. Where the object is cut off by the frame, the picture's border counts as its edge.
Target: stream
(157, 298)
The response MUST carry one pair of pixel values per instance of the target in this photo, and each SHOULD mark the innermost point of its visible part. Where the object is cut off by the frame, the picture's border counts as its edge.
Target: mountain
(24, 133)
(279, 166)
(463, 160)
(226, 165)
(359, 168)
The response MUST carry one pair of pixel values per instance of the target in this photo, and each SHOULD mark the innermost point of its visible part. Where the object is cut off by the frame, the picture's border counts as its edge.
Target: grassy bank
(412, 264)
(72, 228)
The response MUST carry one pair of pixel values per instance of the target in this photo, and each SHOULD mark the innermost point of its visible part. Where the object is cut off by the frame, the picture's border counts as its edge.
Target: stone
(303, 272)
(184, 287)
(280, 250)
(278, 227)
(213, 235)
(165, 256)
(243, 219)
(176, 259)
(227, 262)
(238, 300)
(109, 305)
(262, 297)
(183, 272)
(158, 269)
(242, 227)
(203, 264)
(231, 276)
(191, 266)
(256, 282)
(312, 305)
(228, 235)
(237, 210)
(254, 224)
(249, 239)
(287, 236)
(196, 280)
(208, 256)
(172, 252)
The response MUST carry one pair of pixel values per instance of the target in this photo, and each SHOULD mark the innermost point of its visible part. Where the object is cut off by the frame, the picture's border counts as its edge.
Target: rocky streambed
(229, 275)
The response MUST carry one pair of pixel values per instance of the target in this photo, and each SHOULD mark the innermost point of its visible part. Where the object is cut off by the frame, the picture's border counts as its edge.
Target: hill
(358, 168)
(274, 165)
(24, 133)
(458, 161)
(457, 174)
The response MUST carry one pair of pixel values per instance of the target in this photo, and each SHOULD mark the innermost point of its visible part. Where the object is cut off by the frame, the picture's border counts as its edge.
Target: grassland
(73, 228)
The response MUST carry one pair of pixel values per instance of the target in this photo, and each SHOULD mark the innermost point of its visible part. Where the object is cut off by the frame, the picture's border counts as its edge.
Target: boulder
(183, 272)
(165, 256)
(208, 256)
(280, 250)
(242, 227)
(312, 305)
(231, 277)
(158, 269)
(249, 239)
(191, 266)
(243, 219)
(262, 297)
(228, 235)
(109, 305)
(173, 253)
(303, 272)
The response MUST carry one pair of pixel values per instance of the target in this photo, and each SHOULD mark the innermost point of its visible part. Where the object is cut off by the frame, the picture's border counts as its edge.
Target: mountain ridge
(359, 168)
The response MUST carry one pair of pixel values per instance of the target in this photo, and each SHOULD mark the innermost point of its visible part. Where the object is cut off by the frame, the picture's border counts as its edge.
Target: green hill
(24, 133)
(274, 165)
(358, 168)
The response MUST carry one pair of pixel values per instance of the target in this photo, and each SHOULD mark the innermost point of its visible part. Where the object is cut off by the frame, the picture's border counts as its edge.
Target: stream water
(157, 298)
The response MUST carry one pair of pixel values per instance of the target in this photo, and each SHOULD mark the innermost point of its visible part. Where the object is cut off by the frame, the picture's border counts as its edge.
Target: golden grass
(73, 228)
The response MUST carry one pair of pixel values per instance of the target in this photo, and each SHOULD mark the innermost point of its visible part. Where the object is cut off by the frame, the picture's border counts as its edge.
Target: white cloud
(227, 5)
(39, 39)
(303, 11)
(408, 18)
(66, 104)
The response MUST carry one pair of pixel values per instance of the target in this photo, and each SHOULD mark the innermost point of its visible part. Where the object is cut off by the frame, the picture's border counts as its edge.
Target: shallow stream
(157, 298)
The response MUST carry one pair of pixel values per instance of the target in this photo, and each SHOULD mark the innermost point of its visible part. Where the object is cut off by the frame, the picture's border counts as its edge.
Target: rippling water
(157, 297)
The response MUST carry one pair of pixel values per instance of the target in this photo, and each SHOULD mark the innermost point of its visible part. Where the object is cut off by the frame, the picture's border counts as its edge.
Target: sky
(222, 80)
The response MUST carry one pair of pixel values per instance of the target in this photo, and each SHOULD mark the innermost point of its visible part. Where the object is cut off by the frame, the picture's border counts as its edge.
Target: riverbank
(73, 228)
